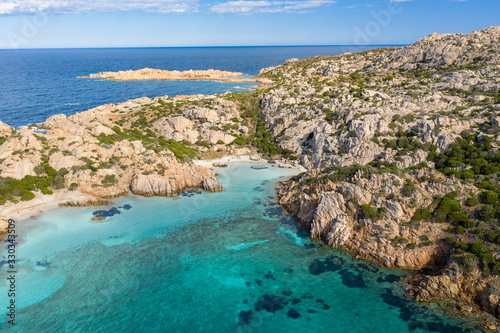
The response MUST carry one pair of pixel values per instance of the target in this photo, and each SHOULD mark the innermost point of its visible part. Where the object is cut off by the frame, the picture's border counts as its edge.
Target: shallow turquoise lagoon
(202, 262)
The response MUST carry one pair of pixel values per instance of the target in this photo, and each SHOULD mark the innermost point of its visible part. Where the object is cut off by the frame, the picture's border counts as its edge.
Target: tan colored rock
(158, 74)
(351, 191)
(202, 113)
(5, 129)
(214, 136)
(330, 220)
(18, 169)
(211, 185)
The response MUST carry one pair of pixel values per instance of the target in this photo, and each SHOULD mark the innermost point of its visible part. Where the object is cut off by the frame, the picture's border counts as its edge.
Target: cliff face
(160, 185)
(371, 215)
(402, 147)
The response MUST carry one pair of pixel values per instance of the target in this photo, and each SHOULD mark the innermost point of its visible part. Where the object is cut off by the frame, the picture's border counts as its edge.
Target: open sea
(232, 261)
(37, 84)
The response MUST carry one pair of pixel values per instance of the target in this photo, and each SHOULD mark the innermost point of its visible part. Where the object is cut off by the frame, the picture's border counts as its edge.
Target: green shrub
(240, 141)
(50, 170)
(27, 195)
(485, 185)
(489, 197)
(46, 190)
(73, 186)
(477, 248)
(408, 188)
(203, 143)
(422, 214)
(39, 170)
(368, 212)
(62, 172)
(180, 150)
(58, 183)
(486, 213)
(460, 218)
(478, 156)
(109, 180)
(492, 236)
(447, 205)
(472, 201)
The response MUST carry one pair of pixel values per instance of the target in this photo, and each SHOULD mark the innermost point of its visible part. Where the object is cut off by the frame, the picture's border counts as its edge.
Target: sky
(172, 23)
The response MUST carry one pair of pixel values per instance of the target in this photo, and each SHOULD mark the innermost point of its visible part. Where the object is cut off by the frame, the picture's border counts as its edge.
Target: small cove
(203, 262)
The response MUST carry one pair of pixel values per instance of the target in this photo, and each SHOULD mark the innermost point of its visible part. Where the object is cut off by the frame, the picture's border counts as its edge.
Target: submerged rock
(292, 313)
(245, 317)
(270, 303)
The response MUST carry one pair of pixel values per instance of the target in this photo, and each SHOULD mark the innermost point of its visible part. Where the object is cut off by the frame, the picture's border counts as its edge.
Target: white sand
(244, 158)
(42, 203)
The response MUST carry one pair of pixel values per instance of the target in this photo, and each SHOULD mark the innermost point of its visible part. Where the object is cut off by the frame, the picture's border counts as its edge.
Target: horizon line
(185, 47)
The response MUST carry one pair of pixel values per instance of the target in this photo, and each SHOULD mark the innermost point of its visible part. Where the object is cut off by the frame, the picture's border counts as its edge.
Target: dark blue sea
(36, 84)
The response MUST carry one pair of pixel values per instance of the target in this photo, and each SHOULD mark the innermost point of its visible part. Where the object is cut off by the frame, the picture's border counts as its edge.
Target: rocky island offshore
(164, 75)
(401, 147)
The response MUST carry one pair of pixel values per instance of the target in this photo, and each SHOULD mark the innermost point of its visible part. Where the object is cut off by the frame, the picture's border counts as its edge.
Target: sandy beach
(247, 159)
(43, 203)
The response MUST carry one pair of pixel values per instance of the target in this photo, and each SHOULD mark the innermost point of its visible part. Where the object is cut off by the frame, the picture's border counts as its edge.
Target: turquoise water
(202, 262)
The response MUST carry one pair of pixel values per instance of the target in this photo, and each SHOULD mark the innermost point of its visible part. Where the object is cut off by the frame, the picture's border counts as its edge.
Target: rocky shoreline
(400, 149)
(148, 147)
(164, 75)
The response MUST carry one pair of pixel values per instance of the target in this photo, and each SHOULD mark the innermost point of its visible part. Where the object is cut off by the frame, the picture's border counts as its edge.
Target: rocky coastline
(400, 149)
(165, 75)
(149, 147)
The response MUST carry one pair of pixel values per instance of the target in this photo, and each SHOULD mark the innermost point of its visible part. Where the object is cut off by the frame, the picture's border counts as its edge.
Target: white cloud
(262, 6)
(240, 6)
(162, 6)
(7, 7)
(376, 4)
(96, 6)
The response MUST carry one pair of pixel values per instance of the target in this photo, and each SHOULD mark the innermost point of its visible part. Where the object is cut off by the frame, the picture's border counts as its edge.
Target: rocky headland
(402, 148)
(400, 145)
(164, 75)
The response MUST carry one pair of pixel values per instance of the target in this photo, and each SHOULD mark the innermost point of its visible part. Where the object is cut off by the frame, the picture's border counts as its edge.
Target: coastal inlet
(230, 261)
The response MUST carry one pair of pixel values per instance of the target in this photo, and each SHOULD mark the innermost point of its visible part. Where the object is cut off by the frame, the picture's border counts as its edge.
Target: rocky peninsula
(401, 147)
(144, 146)
(164, 75)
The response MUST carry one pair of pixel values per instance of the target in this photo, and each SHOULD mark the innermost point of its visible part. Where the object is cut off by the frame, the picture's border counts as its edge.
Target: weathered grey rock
(330, 220)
